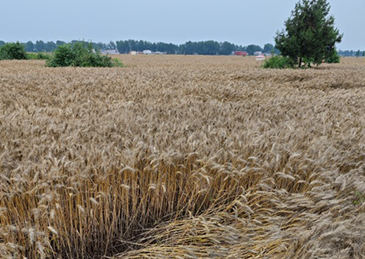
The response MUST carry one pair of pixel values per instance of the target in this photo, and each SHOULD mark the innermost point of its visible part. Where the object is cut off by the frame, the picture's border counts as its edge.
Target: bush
(13, 51)
(279, 62)
(38, 55)
(79, 55)
(117, 62)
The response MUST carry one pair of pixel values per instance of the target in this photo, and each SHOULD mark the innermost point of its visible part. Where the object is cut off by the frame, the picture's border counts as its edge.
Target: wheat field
(182, 157)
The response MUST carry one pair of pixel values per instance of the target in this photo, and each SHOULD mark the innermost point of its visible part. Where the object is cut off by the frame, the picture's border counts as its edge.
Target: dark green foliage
(201, 48)
(251, 49)
(29, 46)
(268, 48)
(62, 57)
(208, 47)
(349, 53)
(333, 57)
(310, 35)
(2, 43)
(127, 46)
(38, 55)
(227, 48)
(50, 46)
(13, 51)
(79, 55)
(279, 62)
(60, 43)
(39, 46)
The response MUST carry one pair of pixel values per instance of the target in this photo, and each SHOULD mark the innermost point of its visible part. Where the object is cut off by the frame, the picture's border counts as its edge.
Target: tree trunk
(300, 62)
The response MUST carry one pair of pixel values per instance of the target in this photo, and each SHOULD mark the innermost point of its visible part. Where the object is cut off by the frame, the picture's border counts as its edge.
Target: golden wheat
(182, 157)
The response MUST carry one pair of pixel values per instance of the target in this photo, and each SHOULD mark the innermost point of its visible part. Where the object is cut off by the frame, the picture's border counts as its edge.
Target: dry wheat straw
(182, 157)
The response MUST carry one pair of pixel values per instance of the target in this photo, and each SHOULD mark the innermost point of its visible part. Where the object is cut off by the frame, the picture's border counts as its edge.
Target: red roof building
(241, 53)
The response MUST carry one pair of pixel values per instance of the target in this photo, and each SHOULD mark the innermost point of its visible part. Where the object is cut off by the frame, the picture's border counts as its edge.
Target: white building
(109, 52)
(147, 52)
(260, 57)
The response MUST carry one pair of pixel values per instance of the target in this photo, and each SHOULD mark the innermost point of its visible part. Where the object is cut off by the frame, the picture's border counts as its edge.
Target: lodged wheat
(182, 157)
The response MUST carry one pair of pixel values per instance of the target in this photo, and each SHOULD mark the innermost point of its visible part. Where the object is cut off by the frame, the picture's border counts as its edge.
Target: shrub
(13, 51)
(38, 55)
(79, 55)
(117, 62)
(279, 62)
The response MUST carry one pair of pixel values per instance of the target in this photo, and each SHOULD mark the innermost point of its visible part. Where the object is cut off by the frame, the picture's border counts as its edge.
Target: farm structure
(241, 53)
(110, 52)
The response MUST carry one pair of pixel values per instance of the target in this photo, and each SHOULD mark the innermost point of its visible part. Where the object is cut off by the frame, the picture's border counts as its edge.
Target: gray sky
(239, 21)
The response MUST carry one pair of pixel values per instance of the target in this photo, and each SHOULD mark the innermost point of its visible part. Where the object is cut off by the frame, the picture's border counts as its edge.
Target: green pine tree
(309, 35)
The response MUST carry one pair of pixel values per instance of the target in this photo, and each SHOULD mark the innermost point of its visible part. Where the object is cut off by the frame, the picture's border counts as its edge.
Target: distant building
(260, 57)
(109, 52)
(258, 53)
(147, 52)
(240, 53)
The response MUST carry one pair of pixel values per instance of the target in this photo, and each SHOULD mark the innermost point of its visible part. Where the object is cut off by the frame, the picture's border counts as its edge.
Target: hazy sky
(238, 21)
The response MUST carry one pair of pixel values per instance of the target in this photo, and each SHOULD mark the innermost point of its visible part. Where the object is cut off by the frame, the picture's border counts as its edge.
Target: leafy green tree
(13, 51)
(309, 34)
(188, 48)
(112, 45)
(132, 45)
(226, 48)
(2, 43)
(123, 46)
(363, 54)
(50, 46)
(268, 48)
(60, 43)
(29, 46)
(168, 48)
(78, 54)
(358, 53)
(39, 46)
(251, 49)
(209, 47)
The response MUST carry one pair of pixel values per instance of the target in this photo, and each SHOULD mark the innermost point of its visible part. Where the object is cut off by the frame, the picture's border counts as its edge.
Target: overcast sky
(239, 21)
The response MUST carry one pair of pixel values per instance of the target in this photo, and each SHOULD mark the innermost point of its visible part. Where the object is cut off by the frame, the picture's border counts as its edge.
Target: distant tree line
(351, 53)
(209, 47)
(50, 46)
